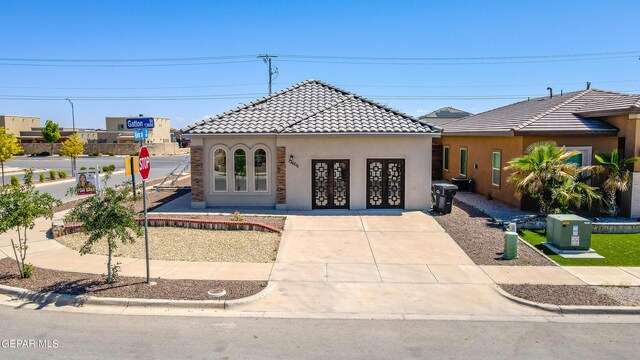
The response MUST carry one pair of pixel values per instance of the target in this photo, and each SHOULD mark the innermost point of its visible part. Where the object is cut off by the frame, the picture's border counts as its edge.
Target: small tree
(19, 208)
(617, 177)
(108, 215)
(51, 133)
(9, 147)
(72, 148)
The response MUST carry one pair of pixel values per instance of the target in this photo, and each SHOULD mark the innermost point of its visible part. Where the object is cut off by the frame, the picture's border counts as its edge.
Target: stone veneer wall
(118, 149)
(281, 162)
(197, 174)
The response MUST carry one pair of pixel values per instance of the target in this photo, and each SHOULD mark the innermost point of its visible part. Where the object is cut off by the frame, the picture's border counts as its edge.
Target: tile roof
(310, 107)
(543, 115)
(623, 104)
(443, 115)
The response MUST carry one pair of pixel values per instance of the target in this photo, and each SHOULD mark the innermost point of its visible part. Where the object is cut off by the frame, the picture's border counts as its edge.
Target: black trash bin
(463, 184)
(442, 195)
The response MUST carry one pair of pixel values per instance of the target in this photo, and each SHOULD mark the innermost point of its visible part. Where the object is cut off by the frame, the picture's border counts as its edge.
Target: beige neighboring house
(15, 124)
(117, 132)
(311, 146)
(34, 135)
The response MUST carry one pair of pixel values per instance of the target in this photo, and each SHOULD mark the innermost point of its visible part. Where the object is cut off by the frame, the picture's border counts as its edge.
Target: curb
(57, 299)
(573, 309)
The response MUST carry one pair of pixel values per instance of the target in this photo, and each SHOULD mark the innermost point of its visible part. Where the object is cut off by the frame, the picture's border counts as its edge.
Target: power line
(127, 88)
(126, 65)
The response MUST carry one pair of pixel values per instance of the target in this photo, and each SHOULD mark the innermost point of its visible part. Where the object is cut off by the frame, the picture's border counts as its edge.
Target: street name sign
(140, 134)
(140, 123)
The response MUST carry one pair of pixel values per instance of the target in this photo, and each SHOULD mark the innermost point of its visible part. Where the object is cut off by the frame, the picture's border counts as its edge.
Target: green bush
(52, 174)
(112, 167)
(28, 270)
(15, 181)
(99, 154)
(108, 168)
(95, 153)
(62, 174)
(83, 168)
(111, 153)
(28, 176)
(20, 153)
(135, 153)
(42, 177)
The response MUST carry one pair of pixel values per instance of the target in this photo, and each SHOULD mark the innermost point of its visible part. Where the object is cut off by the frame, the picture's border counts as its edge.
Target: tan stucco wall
(415, 150)
(161, 133)
(15, 124)
(232, 198)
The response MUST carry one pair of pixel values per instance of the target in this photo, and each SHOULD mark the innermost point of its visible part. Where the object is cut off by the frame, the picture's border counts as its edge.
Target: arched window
(240, 170)
(260, 170)
(219, 170)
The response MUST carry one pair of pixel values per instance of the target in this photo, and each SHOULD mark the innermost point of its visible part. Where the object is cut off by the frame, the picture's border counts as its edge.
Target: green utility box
(510, 245)
(569, 232)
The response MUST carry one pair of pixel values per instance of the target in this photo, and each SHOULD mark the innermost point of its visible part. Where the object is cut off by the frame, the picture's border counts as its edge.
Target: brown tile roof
(623, 104)
(543, 115)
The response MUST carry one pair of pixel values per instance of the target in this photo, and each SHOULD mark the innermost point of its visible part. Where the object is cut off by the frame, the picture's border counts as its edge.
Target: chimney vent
(588, 85)
(550, 92)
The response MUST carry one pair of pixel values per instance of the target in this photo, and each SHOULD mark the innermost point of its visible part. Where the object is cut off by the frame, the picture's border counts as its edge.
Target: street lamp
(73, 115)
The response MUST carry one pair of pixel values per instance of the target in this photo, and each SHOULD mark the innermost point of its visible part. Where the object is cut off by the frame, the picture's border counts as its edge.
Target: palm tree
(546, 175)
(617, 176)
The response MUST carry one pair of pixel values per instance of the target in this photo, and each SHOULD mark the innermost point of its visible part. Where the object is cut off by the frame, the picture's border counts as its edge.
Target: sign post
(144, 166)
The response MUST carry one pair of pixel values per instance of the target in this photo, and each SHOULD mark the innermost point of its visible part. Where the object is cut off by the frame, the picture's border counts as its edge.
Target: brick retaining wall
(118, 149)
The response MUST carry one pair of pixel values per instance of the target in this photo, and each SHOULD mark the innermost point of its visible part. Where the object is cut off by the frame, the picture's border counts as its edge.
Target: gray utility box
(569, 232)
(442, 196)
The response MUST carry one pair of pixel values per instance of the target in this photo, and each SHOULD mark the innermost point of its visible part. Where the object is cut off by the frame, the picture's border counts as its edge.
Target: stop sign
(144, 163)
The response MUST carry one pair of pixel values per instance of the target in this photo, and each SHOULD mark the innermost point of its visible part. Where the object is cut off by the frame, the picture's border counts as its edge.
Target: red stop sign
(144, 163)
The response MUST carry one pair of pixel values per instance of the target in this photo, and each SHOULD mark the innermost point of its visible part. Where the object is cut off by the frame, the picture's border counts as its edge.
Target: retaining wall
(118, 149)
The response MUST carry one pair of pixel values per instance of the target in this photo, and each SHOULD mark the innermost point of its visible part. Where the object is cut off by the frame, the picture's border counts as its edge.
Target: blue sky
(81, 30)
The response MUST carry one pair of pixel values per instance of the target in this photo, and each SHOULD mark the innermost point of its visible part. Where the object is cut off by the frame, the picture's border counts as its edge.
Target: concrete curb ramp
(81, 300)
(573, 309)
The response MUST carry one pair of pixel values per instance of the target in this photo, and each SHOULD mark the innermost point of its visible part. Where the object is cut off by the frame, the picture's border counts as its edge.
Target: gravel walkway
(564, 294)
(482, 240)
(62, 282)
(168, 243)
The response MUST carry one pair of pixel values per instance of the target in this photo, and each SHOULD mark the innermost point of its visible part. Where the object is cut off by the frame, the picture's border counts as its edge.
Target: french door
(385, 183)
(330, 184)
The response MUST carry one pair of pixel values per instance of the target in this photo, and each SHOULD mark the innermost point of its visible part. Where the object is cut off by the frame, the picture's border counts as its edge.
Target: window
(120, 126)
(445, 158)
(495, 168)
(463, 161)
(260, 170)
(219, 170)
(581, 159)
(240, 170)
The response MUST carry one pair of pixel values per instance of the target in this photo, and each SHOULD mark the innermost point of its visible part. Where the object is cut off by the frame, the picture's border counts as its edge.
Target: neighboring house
(117, 132)
(443, 115)
(15, 124)
(311, 146)
(589, 121)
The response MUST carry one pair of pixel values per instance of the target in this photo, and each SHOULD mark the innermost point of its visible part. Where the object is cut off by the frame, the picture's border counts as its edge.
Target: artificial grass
(617, 249)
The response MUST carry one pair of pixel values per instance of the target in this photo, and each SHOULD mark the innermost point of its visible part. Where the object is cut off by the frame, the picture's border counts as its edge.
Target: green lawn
(617, 249)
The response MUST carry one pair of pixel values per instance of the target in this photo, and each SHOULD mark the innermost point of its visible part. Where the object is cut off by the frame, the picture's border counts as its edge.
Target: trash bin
(442, 195)
(463, 184)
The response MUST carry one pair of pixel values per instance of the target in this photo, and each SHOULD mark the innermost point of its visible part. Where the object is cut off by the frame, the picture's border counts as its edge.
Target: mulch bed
(63, 282)
(562, 294)
(483, 240)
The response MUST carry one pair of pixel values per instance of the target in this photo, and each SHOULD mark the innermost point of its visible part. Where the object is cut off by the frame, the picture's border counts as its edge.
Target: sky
(112, 58)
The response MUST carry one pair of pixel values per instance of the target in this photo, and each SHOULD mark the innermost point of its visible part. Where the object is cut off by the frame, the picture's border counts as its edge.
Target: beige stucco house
(311, 146)
(117, 132)
(15, 123)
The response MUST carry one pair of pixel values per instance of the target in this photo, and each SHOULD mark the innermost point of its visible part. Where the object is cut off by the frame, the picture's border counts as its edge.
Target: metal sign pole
(146, 228)
(133, 175)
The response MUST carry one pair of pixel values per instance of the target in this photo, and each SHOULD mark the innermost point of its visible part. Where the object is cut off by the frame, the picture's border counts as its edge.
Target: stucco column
(281, 177)
(197, 176)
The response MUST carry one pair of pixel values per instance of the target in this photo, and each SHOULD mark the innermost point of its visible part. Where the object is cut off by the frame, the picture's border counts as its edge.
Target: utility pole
(73, 122)
(273, 72)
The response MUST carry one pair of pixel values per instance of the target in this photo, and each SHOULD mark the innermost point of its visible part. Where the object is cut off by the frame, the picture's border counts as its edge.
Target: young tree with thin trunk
(9, 147)
(72, 148)
(19, 208)
(108, 215)
(617, 177)
(51, 133)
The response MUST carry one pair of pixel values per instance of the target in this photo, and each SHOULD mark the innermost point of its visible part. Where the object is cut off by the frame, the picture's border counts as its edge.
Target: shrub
(20, 153)
(42, 177)
(95, 153)
(15, 181)
(28, 270)
(28, 176)
(111, 153)
(62, 174)
(99, 154)
(52, 174)
(135, 153)
(112, 167)
(83, 168)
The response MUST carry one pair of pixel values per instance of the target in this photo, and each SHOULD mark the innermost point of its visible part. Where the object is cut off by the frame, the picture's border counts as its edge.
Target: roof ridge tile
(552, 109)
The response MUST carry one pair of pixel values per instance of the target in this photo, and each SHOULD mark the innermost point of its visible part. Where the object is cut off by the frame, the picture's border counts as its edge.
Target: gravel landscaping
(576, 294)
(273, 221)
(483, 240)
(169, 243)
(62, 282)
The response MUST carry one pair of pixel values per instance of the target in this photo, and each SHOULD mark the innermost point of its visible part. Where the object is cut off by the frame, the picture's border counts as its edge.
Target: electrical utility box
(569, 232)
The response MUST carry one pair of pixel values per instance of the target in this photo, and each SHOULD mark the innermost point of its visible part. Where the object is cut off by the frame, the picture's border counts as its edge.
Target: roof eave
(478, 133)
(609, 112)
(609, 132)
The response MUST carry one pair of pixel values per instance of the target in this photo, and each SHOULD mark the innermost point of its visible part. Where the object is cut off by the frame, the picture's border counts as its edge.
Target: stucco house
(311, 146)
(590, 121)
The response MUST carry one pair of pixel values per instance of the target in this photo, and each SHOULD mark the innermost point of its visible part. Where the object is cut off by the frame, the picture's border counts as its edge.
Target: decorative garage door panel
(385, 183)
(330, 184)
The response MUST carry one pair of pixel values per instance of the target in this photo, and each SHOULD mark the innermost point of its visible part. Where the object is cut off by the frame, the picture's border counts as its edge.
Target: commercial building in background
(34, 135)
(15, 123)
(117, 132)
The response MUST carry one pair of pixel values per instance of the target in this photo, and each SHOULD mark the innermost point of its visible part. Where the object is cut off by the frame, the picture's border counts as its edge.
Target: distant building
(117, 132)
(15, 124)
(34, 135)
(443, 115)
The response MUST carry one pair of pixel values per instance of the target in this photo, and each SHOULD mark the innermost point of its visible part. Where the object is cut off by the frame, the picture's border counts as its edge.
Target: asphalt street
(91, 336)
(161, 166)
